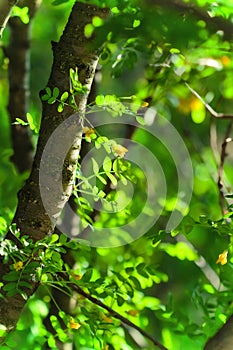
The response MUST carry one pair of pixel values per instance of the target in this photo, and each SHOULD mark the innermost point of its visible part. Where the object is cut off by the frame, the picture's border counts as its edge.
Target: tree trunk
(75, 51)
(18, 53)
(223, 339)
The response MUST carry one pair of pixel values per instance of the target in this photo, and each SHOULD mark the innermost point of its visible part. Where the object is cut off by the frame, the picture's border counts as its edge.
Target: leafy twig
(113, 313)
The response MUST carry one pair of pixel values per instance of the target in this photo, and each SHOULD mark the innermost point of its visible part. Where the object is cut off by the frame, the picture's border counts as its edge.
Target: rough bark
(72, 51)
(18, 53)
(223, 339)
(5, 12)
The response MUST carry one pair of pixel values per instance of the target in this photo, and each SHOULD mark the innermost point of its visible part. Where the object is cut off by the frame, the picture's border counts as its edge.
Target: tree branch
(113, 313)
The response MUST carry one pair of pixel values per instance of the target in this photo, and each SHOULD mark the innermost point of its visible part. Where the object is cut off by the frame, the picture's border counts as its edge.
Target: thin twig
(208, 107)
(227, 139)
(113, 313)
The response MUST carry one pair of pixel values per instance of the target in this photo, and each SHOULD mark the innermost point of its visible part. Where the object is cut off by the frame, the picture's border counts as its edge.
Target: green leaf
(102, 179)
(135, 282)
(56, 257)
(180, 250)
(51, 100)
(141, 269)
(45, 97)
(22, 13)
(63, 239)
(87, 275)
(48, 91)
(97, 21)
(60, 107)
(55, 92)
(112, 179)
(129, 270)
(12, 292)
(88, 30)
(10, 286)
(123, 180)
(54, 238)
(31, 121)
(209, 288)
(136, 23)
(64, 96)
(51, 341)
(11, 276)
(115, 165)
(101, 194)
(107, 164)
(120, 300)
(25, 284)
(95, 166)
(100, 100)
(174, 51)
(55, 323)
